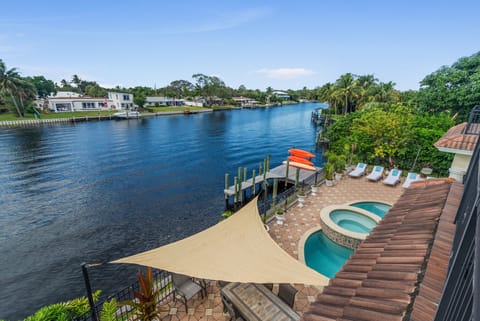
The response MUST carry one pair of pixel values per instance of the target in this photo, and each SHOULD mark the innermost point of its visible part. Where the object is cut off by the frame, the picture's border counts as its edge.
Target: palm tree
(347, 88)
(366, 86)
(12, 83)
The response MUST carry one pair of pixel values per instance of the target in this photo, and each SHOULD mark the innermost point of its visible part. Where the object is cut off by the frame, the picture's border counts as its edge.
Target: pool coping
(339, 234)
(371, 201)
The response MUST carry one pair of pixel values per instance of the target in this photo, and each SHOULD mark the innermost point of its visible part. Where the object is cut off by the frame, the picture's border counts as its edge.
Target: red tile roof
(380, 280)
(455, 138)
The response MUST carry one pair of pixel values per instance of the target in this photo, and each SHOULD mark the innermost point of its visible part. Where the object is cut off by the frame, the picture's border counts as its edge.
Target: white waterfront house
(152, 101)
(71, 101)
(281, 94)
(245, 101)
(120, 101)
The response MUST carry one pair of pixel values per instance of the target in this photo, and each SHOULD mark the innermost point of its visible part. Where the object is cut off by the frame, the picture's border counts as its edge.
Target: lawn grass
(12, 116)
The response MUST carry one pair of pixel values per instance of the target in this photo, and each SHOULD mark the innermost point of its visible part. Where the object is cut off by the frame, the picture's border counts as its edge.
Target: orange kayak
(301, 166)
(300, 153)
(300, 160)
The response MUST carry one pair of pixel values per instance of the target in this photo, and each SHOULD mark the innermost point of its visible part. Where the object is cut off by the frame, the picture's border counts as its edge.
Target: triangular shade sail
(237, 249)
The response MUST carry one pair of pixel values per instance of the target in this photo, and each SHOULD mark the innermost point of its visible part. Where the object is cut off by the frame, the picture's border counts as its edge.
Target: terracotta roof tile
(455, 138)
(396, 261)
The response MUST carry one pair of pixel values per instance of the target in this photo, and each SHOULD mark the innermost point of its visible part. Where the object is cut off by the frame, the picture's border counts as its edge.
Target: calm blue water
(324, 255)
(376, 208)
(352, 221)
(97, 191)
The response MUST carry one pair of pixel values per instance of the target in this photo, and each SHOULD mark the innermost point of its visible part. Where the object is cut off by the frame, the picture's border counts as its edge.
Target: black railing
(460, 298)
(163, 284)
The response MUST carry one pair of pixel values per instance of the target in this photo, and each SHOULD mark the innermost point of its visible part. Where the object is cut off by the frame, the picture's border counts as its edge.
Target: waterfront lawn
(12, 116)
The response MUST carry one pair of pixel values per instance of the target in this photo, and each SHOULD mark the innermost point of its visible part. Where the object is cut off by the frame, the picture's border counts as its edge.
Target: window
(88, 105)
(126, 97)
(63, 106)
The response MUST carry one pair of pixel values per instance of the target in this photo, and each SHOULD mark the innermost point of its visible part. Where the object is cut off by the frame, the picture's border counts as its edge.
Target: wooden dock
(277, 172)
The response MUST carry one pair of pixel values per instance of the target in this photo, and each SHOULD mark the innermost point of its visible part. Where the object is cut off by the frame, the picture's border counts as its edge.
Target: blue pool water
(325, 256)
(376, 208)
(352, 221)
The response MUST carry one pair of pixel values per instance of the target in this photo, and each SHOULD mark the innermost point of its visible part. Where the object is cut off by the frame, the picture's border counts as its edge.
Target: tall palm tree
(12, 83)
(346, 86)
(366, 84)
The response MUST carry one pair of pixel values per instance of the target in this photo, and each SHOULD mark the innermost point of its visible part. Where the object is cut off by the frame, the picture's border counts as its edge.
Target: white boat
(126, 114)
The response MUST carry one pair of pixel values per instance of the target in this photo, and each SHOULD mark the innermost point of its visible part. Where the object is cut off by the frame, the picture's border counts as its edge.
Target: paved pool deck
(299, 222)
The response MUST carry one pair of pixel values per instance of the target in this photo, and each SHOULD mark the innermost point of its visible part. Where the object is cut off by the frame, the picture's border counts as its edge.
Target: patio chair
(411, 177)
(376, 174)
(228, 308)
(359, 170)
(186, 287)
(393, 177)
(287, 293)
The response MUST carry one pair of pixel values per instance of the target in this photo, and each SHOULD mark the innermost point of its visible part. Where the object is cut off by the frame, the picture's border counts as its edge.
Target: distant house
(281, 95)
(164, 101)
(461, 140)
(245, 102)
(122, 101)
(70, 101)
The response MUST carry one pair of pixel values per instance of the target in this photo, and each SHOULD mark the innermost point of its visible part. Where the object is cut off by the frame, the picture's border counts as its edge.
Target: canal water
(98, 191)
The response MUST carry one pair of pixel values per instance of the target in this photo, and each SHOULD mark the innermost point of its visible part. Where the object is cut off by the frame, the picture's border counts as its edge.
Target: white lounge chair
(376, 174)
(393, 177)
(359, 170)
(411, 177)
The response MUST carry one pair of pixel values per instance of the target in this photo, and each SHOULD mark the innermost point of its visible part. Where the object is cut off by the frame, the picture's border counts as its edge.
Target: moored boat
(126, 114)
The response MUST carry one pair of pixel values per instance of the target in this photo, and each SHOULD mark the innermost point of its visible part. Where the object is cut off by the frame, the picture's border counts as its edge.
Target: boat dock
(278, 172)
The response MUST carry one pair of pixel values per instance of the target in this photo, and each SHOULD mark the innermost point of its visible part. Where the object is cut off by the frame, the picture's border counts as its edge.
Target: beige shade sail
(237, 249)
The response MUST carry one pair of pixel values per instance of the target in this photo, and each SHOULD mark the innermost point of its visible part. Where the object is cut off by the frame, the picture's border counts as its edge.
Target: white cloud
(285, 73)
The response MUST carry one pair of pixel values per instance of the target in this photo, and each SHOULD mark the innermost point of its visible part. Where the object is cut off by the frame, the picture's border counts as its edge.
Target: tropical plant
(18, 89)
(109, 309)
(64, 311)
(340, 163)
(145, 303)
(329, 170)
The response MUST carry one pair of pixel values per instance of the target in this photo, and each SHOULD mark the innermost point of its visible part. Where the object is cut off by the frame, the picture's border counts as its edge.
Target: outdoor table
(254, 302)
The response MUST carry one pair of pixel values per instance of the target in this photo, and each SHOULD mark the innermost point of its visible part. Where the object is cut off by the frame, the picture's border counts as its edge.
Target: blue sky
(281, 44)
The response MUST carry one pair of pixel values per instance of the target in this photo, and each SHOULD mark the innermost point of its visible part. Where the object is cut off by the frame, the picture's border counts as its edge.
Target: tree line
(454, 89)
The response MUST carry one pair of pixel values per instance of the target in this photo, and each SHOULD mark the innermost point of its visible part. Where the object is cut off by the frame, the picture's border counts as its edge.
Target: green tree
(95, 90)
(139, 100)
(455, 89)
(18, 89)
(347, 87)
(386, 132)
(43, 86)
(182, 87)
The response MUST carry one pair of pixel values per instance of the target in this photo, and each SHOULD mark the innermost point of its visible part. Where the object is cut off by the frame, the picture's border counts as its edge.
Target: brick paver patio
(297, 222)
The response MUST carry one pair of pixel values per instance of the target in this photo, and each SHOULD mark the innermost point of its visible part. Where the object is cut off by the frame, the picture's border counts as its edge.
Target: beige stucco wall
(459, 166)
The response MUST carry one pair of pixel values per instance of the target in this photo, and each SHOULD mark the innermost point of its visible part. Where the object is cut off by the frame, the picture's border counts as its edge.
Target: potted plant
(340, 163)
(301, 197)
(329, 169)
(280, 216)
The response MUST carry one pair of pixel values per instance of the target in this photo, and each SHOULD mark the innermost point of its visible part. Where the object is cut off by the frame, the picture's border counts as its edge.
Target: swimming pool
(352, 221)
(323, 255)
(377, 208)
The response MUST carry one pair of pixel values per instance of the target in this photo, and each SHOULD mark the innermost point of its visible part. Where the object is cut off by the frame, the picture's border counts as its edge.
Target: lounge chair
(411, 177)
(376, 174)
(186, 287)
(359, 170)
(393, 177)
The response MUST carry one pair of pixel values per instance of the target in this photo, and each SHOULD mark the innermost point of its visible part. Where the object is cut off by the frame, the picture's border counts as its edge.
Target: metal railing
(163, 284)
(460, 298)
